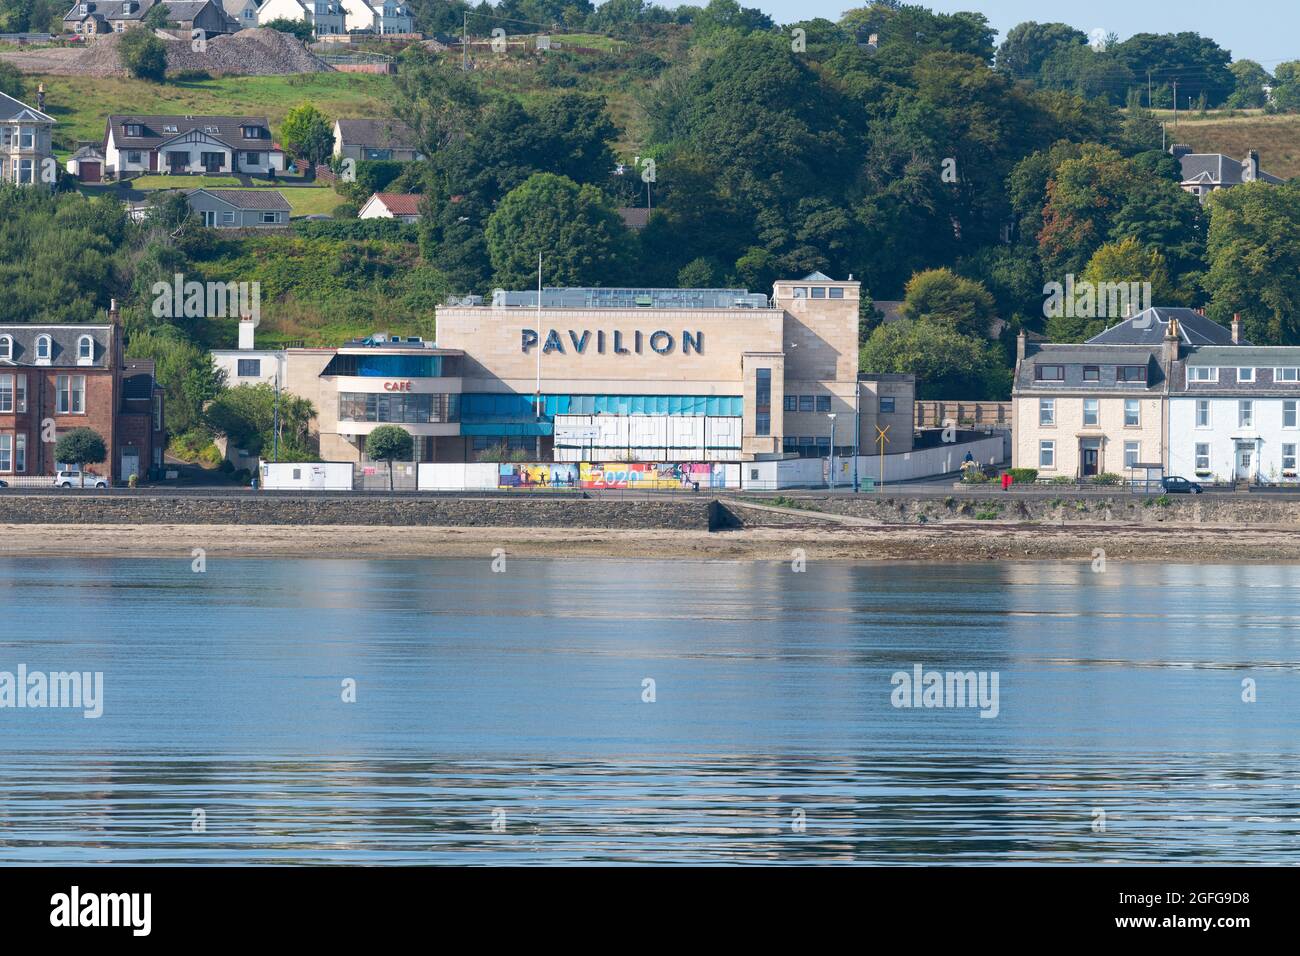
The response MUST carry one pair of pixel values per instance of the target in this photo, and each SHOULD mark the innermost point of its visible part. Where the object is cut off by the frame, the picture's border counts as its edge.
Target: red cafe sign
(397, 386)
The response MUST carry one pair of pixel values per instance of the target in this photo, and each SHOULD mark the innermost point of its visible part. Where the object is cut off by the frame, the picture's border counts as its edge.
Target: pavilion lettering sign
(660, 341)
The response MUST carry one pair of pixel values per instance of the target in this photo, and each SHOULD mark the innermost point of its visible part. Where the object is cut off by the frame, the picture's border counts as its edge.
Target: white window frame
(6, 454)
(1096, 402)
(1136, 406)
(1203, 405)
(1047, 455)
(7, 393)
(1245, 413)
(20, 453)
(1245, 375)
(1202, 373)
(1288, 373)
(1197, 456)
(1136, 448)
(7, 347)
(1048, 406)
(85, 350)
(44, 344)
(1285, 455)
(1289, 408)
(71, 394)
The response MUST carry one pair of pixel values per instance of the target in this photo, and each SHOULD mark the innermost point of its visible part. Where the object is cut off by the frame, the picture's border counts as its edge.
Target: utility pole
(1175, 104)
(1148, 89)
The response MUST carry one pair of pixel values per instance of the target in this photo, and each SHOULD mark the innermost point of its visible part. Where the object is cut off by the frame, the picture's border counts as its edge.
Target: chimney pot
(1236, 328)
(1020, 346)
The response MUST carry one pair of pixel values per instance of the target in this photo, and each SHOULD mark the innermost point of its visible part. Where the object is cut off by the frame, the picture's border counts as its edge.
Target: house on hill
(326, 17)
(240, 208)
(1203, 173)
(402, 206)
(180, 145)
(25, 143)
(376, 139)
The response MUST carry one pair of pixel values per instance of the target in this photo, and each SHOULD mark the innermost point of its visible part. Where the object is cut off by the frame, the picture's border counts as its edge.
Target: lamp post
(830, 465)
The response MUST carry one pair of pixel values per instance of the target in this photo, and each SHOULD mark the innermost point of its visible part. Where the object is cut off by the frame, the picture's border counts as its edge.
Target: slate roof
(1148, 328)
(1263, 359)
(1073, 358)
(248, 198)
(138, 379)
(227, 130)
(11, 109)
(88, 152)
(378, 134)
(63, 346)
(1217, 169)
(108, 10)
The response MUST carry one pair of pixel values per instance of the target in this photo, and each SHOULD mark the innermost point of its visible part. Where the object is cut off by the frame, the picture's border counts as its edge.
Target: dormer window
(7, 348)
(85, 350)
(170, 128)
(134, 129)
(44, 347)
(253, 132)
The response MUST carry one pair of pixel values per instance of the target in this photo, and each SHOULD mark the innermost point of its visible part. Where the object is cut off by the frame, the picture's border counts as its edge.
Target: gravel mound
(258, 52)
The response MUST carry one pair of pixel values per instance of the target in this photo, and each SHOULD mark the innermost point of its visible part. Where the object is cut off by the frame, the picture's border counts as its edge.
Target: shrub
(1107, 478)
(1023, 475)
(143, 55)
(974, 477)
(1062, 480)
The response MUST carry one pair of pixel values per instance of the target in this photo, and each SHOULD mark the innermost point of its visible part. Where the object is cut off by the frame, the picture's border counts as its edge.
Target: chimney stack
(1020, 347)
(1251, 173)
(1169, 347)
(246, 327)
(114, 316)
(1236, 328)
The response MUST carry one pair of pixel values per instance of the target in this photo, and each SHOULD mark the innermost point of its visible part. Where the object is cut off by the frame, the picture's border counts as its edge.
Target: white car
(73, 479)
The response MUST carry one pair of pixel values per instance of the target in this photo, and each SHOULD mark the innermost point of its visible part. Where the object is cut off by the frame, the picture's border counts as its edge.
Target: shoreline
(950, 542)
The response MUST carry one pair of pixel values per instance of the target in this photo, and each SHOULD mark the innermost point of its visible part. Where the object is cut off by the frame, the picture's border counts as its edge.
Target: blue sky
(1267, 31)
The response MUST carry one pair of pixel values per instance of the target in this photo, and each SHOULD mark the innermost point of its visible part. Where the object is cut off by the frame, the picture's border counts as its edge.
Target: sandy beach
(951, 541)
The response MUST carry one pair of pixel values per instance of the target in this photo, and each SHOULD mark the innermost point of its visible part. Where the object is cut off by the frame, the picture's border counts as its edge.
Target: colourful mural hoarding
(626, 476)
(545, 475)
(647, 476)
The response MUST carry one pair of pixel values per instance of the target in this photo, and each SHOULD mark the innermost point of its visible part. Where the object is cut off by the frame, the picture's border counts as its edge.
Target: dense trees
(143, 55)
(580, 239)
(307, 134)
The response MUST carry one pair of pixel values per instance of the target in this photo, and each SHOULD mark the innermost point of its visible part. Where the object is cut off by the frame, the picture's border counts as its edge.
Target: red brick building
(54, 378)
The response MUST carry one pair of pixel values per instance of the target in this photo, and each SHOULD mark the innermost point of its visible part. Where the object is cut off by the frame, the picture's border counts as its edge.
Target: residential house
(76, 377)
(377, 16)
(403, 206)
(240, 208)
(1234, 414)
(247, 365)
(243, 12)
(208, 16)
(190, 144)
(26, 152)
(1103, 406)
(1203, 173)
(97, 17)
(325, 16)
(376, 139)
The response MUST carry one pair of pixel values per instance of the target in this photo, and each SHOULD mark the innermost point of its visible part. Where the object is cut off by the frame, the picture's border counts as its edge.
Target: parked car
(73, 479)
(4, 484)
(1180, 486)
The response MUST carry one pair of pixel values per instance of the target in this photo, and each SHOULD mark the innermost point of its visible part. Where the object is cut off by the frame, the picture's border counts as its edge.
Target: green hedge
(1023, 475)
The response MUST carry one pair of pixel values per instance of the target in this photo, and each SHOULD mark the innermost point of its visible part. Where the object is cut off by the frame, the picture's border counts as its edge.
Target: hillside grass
(83, 105)
(1277, 136)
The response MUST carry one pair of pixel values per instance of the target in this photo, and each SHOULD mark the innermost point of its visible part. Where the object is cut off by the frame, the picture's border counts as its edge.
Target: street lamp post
(831, 463)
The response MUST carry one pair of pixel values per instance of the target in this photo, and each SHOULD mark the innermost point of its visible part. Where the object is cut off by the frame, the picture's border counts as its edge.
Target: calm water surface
(515, 701)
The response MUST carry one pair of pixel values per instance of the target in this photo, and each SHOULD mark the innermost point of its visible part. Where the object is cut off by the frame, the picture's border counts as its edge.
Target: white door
(1245, 456)
(130, 463)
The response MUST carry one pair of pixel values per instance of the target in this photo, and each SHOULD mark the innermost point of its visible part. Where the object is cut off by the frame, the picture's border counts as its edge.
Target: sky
(1268, 33)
